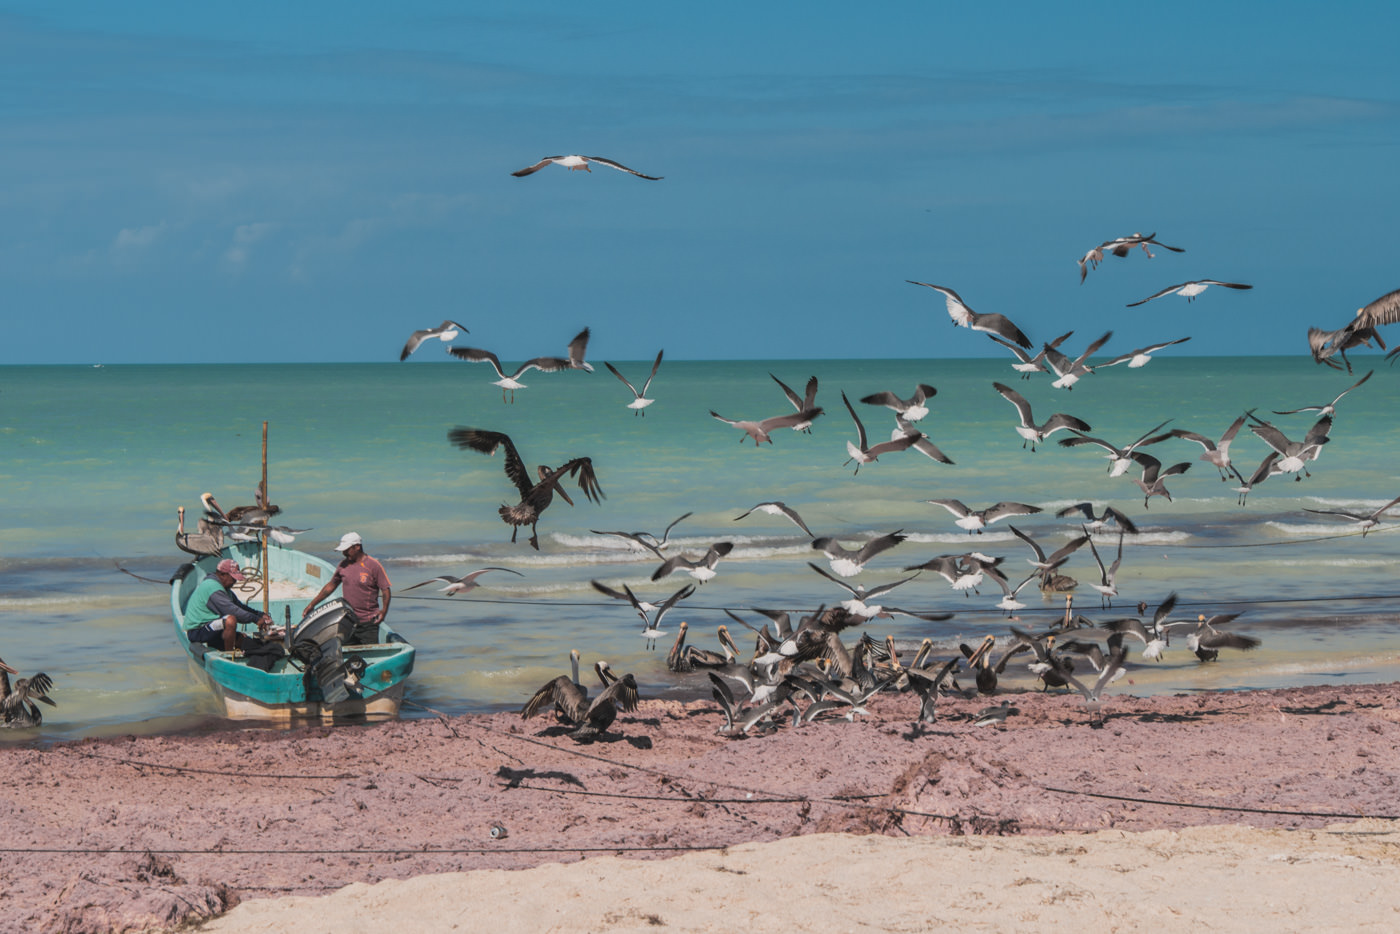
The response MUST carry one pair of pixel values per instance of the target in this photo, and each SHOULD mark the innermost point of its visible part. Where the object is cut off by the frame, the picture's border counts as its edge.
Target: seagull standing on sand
(511, 383)
(534, 497)
(640, 402)
(465, 584)
(580, 164)
(776, 508)
(1120, 246)
(445, 332)
(999, 325)
(1028, 429)
(1190, 290)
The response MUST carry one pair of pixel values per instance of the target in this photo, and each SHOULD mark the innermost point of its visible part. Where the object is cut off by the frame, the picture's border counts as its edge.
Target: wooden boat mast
(267, 593)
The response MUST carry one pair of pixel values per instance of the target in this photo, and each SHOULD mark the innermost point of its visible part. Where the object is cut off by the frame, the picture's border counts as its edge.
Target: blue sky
(313, 181)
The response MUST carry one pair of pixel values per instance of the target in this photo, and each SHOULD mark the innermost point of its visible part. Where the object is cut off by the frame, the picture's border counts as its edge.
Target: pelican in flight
(445, 332)
(534, 497)
(1028, 429)
(640, 402)
(1120, 246)
(17, 703)
(1367, 520)
(1000, 325)
(465, 584)
(1360, 331)
(580, 164)
(511, 383)
(1190, 290)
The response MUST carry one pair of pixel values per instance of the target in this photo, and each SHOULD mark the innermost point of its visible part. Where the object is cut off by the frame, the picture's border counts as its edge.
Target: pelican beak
(894, 656)
(4, 667)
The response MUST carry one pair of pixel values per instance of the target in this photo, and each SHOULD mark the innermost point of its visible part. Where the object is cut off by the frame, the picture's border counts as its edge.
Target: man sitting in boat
(366, 586)
(213, 612)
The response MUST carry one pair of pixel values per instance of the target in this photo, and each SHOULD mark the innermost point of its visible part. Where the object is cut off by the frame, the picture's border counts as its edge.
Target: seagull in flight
(1329, 408)
(911, 409)
(1216, 452)
(511, 383)
(975, 520)
(638, 404)
(1120, 246)
(776, 508)
(465, 584)
(1028, 429)
(445, 332)
(865, 452)
(1368, 520)
(999, 325)
(1139, 357)
(1190, 290)
(580, 164)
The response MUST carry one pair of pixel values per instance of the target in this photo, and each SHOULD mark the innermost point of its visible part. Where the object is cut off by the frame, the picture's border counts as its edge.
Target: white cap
(348, 539)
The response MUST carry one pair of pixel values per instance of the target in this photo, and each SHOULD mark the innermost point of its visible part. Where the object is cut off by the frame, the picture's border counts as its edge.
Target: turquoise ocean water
(95, 460)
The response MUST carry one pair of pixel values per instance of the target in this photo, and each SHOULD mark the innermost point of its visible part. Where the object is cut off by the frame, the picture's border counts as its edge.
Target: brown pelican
(1190, 290)
(209, 540)
(911, 409)
(640, 401)
(1361, 330)
(1139, 357)
(865, 452)
(534, 497)
(569, 697)
(1367, 520)
(17, 705)
(1207, 641)
(447, 331)
(683, 658)
(999, 325)
(1120, 246)
(1216, 452)
(580, 164)
(465, 584)
(617, 694)
(577, 347)
(1028, 429)
(241, 515)
(776, 508)
(975, 520)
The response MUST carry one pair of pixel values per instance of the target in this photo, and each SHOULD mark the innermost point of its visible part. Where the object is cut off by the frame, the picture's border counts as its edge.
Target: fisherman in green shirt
(213, 613)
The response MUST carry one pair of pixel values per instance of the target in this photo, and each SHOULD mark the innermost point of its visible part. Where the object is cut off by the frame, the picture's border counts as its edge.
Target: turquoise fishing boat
(317, 678)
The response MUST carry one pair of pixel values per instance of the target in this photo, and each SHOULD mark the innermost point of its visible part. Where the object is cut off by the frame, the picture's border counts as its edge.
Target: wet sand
(1233, 810)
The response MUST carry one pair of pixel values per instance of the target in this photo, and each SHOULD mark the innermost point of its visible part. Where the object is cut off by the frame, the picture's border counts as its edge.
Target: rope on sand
(1218, 807)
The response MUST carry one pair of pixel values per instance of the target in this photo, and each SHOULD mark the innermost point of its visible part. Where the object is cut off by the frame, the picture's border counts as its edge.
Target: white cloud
(138, 238)
(244, 236)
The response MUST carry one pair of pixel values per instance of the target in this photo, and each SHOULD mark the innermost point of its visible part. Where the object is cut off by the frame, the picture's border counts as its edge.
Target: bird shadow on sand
(636, 742)
(1328, 709)
(920, 730)
(513, 777)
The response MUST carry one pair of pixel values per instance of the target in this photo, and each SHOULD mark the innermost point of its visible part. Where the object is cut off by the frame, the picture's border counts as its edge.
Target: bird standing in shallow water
(534, 497)
(17, 707)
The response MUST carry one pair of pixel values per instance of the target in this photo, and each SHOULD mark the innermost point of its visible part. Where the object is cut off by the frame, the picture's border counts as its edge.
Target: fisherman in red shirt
(365, 588)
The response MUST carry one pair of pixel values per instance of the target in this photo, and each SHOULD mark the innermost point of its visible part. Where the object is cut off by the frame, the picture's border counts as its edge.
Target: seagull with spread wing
(581, 164)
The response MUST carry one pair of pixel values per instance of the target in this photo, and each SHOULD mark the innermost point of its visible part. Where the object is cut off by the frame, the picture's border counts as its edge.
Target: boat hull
(288, 692)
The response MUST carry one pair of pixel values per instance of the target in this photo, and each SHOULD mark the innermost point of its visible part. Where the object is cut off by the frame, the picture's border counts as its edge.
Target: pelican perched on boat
(777, 508)
(911, 409)
(574, 361)
(1216, 452)
(581, 164)
(640, 402)
(17, 705)
(1000, 325)
(464, 584)
(445, 332)
(1031, 432)
(975, 520)
(568, 695)
(208, 540)
(848, 562)
(1190, 290)
(534, 497)
(1120, 246)
(257, 514)
(1366, 520)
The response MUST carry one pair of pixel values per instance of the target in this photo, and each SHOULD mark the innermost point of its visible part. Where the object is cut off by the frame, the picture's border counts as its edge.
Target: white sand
(1221, 878)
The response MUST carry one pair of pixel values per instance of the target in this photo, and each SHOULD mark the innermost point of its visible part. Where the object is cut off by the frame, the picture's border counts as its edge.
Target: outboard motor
(317, 642)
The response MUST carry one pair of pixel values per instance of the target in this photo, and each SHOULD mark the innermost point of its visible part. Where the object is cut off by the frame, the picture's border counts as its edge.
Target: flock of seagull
(804, 671)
